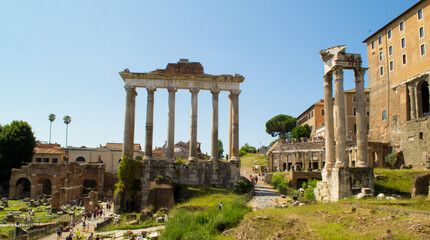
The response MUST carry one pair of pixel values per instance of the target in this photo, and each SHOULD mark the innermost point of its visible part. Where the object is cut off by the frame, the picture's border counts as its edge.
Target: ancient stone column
(339, 110)
(234, 97)
(170, 154)
(130, 105)
(230, 119)
(214, 145)
(149, 123)
(360, 101)
(413, 107)
(328, 119)
(193, 135)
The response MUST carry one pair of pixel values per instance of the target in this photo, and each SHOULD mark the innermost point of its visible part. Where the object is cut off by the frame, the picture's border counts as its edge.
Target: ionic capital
(172, 89)
(215, 91)
(194, 90)
(130, 89)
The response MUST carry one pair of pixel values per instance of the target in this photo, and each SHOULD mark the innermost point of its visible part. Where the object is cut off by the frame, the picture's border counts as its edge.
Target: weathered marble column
(170, 154)
(193, 138)
(214, 145)
(339, 111)
(328, 119)
(230, 123)
(149, 123)
(413, 107)
(234, 97)
(360, 101)
(130, 105)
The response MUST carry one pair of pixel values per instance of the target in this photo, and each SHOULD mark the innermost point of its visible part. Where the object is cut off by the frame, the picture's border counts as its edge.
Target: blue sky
(63, 57)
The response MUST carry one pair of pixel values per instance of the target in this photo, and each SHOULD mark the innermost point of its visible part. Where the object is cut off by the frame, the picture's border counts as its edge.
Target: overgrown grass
(149, 222)
(252, 159)
(205, 224)
(209, 196)
(390, 181)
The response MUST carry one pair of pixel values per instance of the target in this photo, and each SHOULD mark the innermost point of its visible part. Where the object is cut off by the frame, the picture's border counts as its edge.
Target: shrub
(309, 187)
(391, 158)
(243, 187)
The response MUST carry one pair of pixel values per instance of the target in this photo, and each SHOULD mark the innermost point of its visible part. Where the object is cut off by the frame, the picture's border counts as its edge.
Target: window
(367, 97)
(46, 160)
(381, 70)
(403, 43)
(390, 50)
(380, 56)
(322, 112)
(420, 14)
(389, 34)
(404, 59)
(355, 128)
(402, 26)
(391, 66)
(353, 98)
(373, 44)
(423, 49)
(384, 115)
(38, 159)
(367, 111)
(354, 110)
(54, 160)
(80, 159)
(421, 31)
(380, 39)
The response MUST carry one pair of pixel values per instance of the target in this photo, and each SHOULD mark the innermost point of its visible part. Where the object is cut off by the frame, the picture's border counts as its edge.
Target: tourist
(98, 237)
(166, 217)
(91, 237)
(59, 232)
(69, 237)
(276, 202)
(220, 206)
(83, 226)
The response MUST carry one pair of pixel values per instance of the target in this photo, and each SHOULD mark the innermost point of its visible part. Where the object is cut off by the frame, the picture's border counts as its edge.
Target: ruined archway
(46, 186)
(424, 99)
(23, 188)
(89, 185)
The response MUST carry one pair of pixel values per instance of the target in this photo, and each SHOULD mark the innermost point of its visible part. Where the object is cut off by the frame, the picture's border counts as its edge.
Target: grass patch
(390, 181)
(252, 159)
(208, 196)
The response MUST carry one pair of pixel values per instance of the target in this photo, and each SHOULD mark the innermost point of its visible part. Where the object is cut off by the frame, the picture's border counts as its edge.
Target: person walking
(59, 232)
(220, 206)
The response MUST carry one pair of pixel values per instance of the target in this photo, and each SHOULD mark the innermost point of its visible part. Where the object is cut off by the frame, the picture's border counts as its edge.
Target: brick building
(399, 68)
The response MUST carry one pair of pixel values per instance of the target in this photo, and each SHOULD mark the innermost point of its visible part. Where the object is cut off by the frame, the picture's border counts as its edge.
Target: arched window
(80, 159)
(384, 115)
(424, 89)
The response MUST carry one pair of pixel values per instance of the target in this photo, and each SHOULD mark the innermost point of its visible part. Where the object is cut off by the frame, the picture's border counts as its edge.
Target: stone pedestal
(342, 182)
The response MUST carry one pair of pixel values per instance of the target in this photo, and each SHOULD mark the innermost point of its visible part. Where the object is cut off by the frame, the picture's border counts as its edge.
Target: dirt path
(265, 197)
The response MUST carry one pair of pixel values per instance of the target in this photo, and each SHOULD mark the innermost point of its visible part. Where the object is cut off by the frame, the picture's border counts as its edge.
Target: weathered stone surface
(160, 220)
(421, 185)
(144, 214)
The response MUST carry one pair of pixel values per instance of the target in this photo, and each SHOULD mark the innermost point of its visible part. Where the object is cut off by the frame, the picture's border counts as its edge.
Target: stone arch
(89, 185)
(23, 188)
(46, 186)
(80, 159)
(423, 99)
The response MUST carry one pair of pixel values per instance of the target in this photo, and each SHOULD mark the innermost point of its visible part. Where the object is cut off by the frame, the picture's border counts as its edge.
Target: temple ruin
(338, 179)
(189, 76)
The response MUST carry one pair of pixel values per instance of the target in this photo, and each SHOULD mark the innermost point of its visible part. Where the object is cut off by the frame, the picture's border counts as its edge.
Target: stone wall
(215, 173)
(421, 185)
(415, 142)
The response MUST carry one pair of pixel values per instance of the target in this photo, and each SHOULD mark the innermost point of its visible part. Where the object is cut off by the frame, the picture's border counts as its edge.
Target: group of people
(75, 235)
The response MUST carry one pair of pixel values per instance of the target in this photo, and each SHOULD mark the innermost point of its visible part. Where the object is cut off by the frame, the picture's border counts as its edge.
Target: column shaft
(193, 134)
(149, 123)
(170, 154)
(234, 96)
(130, 105)
(214, 145)
(361, 115)
(230, 124)
(413, 107)
(328, 119)
(339, 109)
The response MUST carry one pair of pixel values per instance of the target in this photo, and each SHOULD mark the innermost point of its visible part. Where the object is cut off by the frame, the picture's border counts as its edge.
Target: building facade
(399, 68)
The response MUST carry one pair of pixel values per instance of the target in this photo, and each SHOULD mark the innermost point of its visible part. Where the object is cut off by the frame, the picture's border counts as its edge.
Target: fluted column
(234, 98)
(339, 110)
(413, 107)
(193, 135)
(171, 126)
(360, 100)
(130, 105)
(149, 123)
(214, 145)
(328, 119)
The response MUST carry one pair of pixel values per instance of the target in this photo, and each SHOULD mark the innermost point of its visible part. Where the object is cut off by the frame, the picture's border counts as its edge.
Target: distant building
(399, 69)
(49, 153)
(314, 116)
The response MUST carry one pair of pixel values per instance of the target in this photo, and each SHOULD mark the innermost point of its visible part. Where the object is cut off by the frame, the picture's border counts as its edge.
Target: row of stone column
(337, 134)
(301, 157)
(130, 122)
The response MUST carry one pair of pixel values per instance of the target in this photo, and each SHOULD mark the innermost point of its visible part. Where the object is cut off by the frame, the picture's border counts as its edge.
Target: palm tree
(67, 119)
(51, 118)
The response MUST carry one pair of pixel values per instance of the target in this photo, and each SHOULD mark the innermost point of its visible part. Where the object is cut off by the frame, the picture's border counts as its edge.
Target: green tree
(247, 149)
(301, 131)
(280, 125)
(67, 119)
(17, 144)
(51, 118)
(220, 150)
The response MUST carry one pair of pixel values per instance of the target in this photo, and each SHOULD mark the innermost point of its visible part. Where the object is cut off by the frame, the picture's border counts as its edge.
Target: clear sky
(63, 57)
